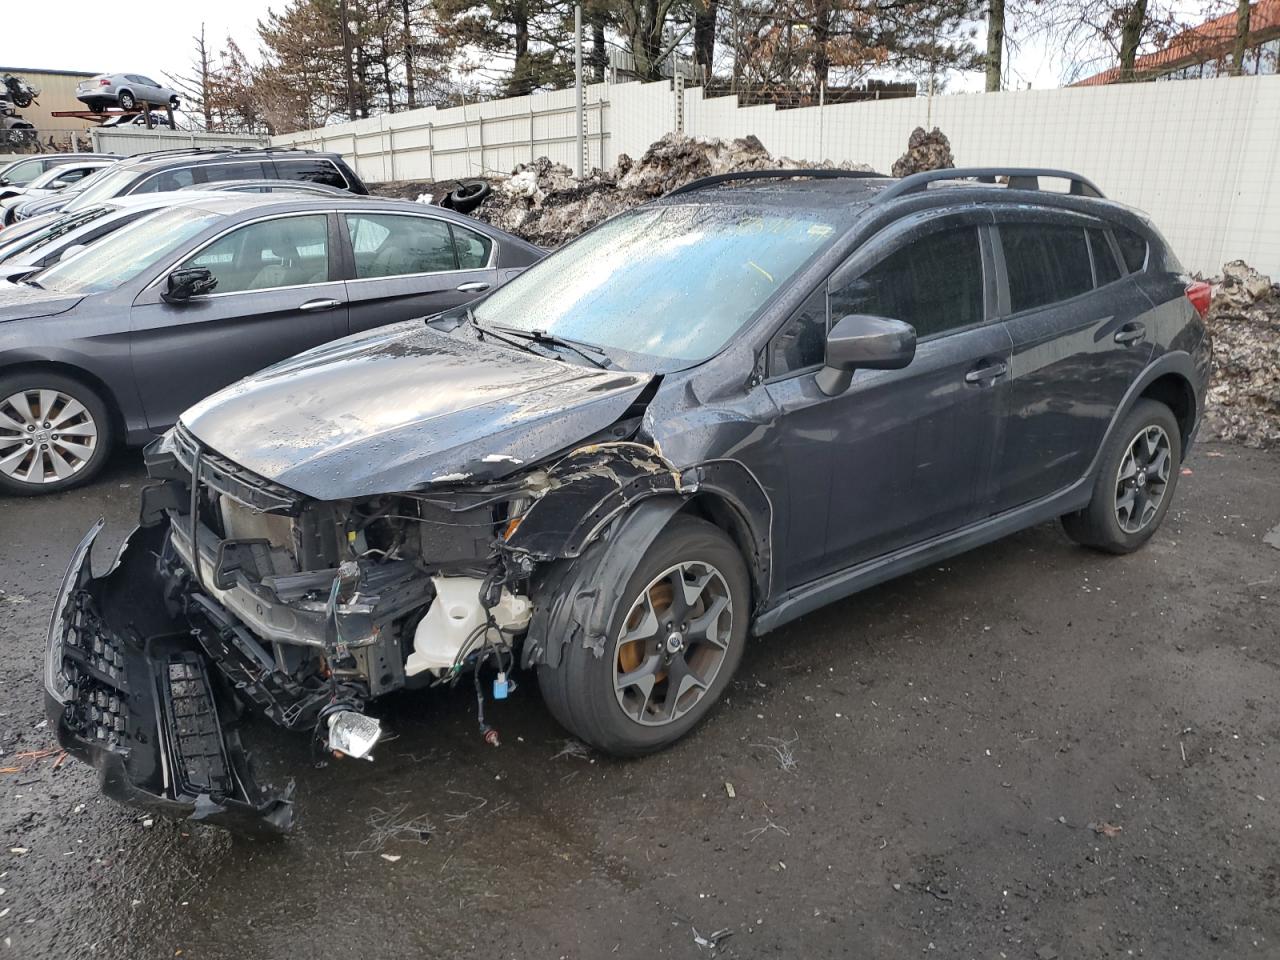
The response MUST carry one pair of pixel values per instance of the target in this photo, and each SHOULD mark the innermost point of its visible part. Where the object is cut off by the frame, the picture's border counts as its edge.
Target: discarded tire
(467, 196)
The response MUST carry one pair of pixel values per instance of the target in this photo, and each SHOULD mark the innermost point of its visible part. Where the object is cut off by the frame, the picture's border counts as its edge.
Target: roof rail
(704, 182)
(1019, 178)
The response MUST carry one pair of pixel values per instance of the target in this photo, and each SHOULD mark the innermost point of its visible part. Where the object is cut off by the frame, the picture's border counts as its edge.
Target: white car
(52, 181)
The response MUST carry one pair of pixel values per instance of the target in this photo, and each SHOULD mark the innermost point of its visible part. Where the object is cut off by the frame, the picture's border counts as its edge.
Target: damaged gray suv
(699, 421)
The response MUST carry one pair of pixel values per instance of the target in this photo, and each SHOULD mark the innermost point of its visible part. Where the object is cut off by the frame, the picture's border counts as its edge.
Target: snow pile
(1244, 320)
(929, 150)
(547, 205)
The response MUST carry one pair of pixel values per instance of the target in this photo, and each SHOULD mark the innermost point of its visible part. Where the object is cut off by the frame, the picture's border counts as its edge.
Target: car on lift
(126, 91)
(700, 420)
(110, 345)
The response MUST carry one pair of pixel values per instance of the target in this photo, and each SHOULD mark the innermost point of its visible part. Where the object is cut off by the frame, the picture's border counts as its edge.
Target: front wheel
(675, 642)
(55, 433)
(1135, 482)
(126, 100)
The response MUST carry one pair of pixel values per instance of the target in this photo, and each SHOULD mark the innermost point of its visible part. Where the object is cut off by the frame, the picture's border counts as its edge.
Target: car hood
(21, 302)
(405, 408)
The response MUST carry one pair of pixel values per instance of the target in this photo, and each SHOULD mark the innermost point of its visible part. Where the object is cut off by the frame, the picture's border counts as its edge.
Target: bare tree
(1241, 45)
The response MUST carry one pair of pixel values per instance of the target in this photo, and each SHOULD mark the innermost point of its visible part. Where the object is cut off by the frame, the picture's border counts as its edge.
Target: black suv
(174, 169)
(700, 420)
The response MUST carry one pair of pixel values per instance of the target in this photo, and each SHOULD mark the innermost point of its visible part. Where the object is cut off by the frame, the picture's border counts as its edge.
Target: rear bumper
(132, 694)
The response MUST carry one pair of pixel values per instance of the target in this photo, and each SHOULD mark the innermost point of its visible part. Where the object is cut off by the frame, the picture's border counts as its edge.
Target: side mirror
(863, 342)
(70, 252)
(188, 282)
(59, 184)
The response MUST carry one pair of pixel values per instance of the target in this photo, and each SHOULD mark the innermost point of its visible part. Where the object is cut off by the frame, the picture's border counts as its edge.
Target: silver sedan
(125, 90)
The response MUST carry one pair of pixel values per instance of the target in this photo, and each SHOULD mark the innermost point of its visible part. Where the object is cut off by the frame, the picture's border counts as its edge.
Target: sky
(160, 36)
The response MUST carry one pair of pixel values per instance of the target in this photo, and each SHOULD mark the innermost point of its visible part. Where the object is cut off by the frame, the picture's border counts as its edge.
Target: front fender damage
(600, 508)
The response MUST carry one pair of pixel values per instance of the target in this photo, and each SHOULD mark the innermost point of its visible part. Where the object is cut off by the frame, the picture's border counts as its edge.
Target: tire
(79, 452)
(583, 693)
(173, 103)
(126, 100)
(467, 196)
(1150, 430)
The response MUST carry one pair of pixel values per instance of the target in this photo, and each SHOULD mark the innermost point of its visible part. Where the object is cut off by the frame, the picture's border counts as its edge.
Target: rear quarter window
(1133, 248)
(318, 170)
(1046, 263)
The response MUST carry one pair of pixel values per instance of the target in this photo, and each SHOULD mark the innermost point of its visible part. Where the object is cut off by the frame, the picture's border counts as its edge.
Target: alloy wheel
(673, 642)
(1143, 478)
(45, 436)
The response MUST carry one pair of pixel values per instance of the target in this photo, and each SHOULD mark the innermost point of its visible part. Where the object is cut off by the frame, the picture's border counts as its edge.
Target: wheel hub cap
(45, 436)
(672, 644)
(1143, 478)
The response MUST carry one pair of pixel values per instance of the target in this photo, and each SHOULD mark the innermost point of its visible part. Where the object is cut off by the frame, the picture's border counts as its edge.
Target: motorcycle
(20, 93)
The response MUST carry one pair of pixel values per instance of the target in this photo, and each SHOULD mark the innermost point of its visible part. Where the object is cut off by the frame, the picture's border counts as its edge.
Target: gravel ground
(1032, 751)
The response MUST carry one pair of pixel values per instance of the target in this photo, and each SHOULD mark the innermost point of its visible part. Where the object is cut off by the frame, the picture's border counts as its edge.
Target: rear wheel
(675, 643)
(1135, 482)
(55, 433)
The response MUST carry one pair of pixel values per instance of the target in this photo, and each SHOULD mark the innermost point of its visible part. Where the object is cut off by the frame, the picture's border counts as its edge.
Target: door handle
(315, 306)
(1131, 333)
(979, 374)
(473, 286)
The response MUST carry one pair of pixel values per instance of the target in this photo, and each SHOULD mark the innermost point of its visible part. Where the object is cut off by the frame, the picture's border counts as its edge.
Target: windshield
(130, 251)
(59, 227)
(673, 283)
(107, 183)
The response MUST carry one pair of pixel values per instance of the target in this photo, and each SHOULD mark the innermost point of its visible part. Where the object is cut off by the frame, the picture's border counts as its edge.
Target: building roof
(61, 73)
(1212, 39)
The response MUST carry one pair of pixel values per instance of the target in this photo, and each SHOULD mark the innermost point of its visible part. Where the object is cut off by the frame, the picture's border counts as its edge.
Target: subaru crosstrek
(698, 421)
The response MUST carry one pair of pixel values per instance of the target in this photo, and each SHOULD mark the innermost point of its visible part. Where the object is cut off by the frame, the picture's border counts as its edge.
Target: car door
(407, 265)
(1078, 342)
(901, 455)
(274, 298)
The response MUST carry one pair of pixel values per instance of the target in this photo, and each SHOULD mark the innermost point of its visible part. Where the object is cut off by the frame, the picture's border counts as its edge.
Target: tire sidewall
(1146, 414)
(589, 678)
(98, 409)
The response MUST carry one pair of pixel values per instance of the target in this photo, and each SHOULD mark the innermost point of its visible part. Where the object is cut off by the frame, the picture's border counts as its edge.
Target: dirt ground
(1032, 751)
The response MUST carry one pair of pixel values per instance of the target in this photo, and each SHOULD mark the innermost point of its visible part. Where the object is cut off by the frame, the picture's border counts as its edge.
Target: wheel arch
(92, 381)
(1175, 391)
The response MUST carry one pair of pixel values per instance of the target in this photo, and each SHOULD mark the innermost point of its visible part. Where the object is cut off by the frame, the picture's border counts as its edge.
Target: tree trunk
(599, 58)
(521, 80)
(822, 23)
(1242, 38)
(704, 36)
(410, 92)
(1131, 32)
(995, 44)
(346, 60)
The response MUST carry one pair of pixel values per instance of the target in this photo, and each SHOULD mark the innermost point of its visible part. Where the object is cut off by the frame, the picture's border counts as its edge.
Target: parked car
(124, 90)
(135, 120)
(18, 173)
(32, 251)
(51, 182)
(174, 169)
(698, 421)
(130, 332)
(55, 203)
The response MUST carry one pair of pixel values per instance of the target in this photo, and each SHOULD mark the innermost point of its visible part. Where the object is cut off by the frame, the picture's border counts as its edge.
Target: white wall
(1202, 157)
(129, 142)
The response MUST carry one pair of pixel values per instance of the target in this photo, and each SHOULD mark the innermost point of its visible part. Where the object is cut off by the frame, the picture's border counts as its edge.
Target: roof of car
(202, 154)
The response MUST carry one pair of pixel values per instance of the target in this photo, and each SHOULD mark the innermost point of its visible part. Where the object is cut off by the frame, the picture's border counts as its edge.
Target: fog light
(353, 734)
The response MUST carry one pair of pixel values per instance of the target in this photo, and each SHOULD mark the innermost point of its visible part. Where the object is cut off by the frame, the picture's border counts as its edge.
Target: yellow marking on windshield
(763, 271)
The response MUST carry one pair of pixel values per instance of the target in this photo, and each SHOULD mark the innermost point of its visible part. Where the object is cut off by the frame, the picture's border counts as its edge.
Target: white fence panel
(1202, 157)
(128, 143)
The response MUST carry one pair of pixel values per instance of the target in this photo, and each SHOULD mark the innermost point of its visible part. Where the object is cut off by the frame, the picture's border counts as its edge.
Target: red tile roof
(1210, 40)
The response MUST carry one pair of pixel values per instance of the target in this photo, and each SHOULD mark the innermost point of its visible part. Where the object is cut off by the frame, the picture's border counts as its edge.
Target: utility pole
(577, 83)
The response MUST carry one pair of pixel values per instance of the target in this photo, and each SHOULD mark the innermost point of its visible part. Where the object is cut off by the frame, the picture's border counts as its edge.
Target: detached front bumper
(131, 692)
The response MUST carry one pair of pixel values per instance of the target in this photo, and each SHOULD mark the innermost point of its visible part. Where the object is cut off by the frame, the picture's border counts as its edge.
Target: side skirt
(836, 586)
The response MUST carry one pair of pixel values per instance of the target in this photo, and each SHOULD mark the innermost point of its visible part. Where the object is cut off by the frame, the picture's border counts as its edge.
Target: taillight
(1200, 294)
(104, 82)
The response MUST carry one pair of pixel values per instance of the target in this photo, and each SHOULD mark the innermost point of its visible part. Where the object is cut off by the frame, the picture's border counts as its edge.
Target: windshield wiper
(596, 357)
(489, 331)
(31, 283)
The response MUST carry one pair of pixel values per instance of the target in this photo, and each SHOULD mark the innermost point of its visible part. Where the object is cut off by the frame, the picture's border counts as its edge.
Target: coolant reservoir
(455, 615)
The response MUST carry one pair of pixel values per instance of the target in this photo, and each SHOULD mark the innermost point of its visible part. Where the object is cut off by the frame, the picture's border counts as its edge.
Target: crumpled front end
(130, 692)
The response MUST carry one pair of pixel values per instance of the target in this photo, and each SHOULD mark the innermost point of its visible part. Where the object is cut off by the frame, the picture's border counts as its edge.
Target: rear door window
(933, 283)
(397, 245)
(1046, 263)
(1105, 268)
(1133, 248)
(318, 170)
